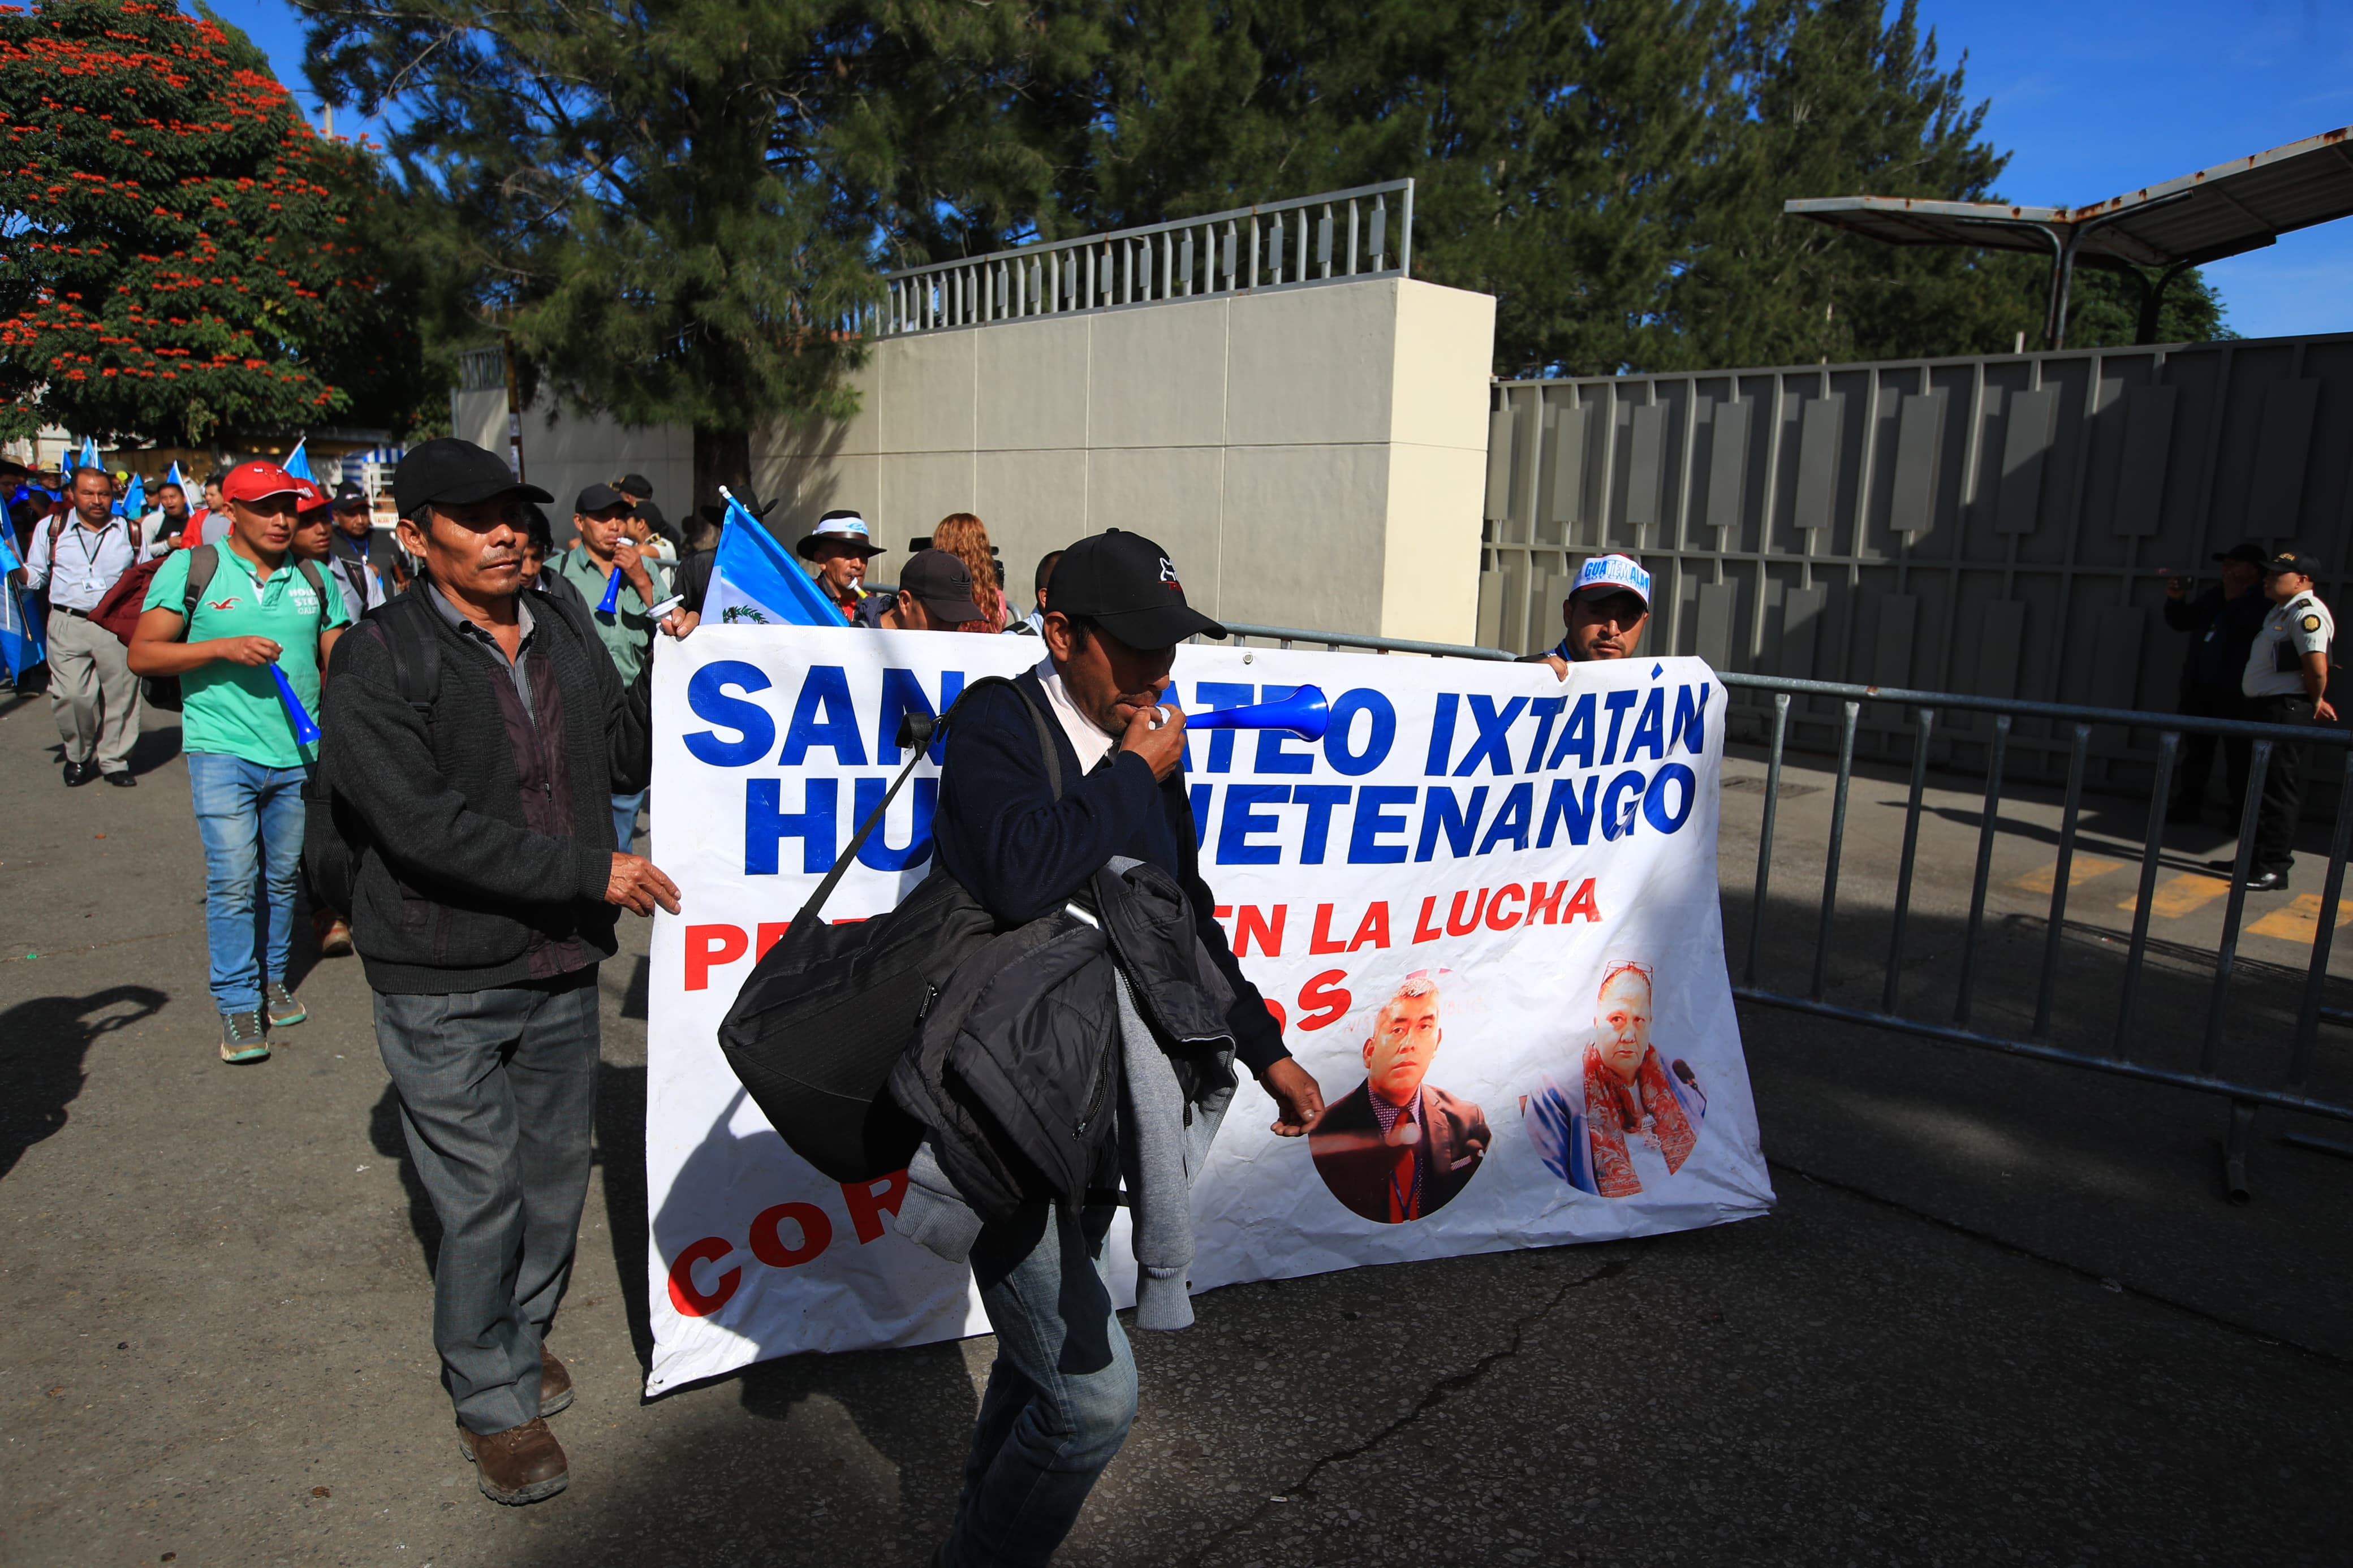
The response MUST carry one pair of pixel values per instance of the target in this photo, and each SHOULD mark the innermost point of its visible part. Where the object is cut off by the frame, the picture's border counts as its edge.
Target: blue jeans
(250, 818)
(1061, 1396)
(625, 819)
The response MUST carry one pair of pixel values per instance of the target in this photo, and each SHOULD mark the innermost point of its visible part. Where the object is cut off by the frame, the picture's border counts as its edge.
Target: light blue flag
(135, 503)
(88, 458)
(9, 561)
(755, 580)
(21, 643)
(298, 464)
(173, 477)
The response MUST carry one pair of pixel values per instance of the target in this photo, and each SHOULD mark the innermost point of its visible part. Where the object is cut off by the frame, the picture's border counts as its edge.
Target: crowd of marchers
(439, 735)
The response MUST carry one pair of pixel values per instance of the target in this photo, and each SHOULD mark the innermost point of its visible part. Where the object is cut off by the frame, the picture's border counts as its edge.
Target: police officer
(2222, 622)
(2286, 682)
(1604, 615)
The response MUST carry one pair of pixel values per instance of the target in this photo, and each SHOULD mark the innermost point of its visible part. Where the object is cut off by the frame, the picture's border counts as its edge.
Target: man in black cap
(350, 546)
(2285, 682)
(840, 546)
(475, 738)
(2222, 623)
(934, 595)
(1063, 1392)
(641, 496)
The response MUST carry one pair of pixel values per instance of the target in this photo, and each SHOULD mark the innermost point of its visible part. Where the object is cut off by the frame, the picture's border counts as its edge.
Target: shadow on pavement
(157, 745)
(621, 1162)
(42, 1044)
(385, 1135)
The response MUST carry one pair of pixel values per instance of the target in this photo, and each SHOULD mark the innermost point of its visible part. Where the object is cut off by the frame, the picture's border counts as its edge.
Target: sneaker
(284, 1011)
(242, 1039)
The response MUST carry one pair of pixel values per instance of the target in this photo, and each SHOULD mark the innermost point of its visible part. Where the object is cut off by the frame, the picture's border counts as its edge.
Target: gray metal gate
(1997, 526)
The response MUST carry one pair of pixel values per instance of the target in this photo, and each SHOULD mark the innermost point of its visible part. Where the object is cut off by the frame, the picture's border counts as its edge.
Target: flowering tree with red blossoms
(181, 257)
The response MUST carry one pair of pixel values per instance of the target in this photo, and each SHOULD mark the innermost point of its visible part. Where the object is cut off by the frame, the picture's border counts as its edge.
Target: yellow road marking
(2300, 921)
(2177, 896)
(2080, 870)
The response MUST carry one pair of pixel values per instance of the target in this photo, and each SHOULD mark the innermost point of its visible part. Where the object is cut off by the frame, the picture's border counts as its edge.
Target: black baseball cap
(2295, 560)
(635, 485)
(2251, 553)
(1126, 584)
(446, 471)
(941, 585)
(601, 498)
(350, 493)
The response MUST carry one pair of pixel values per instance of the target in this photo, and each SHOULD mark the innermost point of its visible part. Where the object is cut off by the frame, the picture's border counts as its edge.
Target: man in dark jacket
(488, 890)
(1061, 1393)
(2222, 623)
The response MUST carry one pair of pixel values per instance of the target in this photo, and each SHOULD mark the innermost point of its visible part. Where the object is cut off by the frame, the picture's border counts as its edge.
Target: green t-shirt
(234, 708)
(627, 633)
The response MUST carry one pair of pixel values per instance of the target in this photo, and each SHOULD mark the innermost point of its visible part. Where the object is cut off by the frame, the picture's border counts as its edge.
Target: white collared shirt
(86, 562)
(2304, 623)
(1086, 736)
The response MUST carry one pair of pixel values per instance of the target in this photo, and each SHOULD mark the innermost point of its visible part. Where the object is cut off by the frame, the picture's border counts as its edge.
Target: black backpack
(829, 1011)
(332, 833)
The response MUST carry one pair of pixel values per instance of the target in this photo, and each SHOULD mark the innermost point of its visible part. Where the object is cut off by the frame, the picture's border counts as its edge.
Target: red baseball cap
(310, 496)
(253, 481)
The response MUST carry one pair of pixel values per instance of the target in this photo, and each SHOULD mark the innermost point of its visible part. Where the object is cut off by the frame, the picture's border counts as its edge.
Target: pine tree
(184, 260)
(673, 210)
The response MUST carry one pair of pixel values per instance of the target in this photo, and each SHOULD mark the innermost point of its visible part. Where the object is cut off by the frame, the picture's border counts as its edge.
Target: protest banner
(1523, 865)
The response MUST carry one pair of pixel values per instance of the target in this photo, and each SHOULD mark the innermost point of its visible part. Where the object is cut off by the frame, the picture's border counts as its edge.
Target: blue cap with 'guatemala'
(1602, 575)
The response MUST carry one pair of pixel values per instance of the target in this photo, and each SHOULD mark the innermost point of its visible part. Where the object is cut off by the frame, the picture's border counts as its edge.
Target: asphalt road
(2001, 1313)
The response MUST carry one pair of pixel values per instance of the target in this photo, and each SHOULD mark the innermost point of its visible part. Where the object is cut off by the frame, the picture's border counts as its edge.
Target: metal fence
(2204, 1063)
(1337, 237)
(1998, 526)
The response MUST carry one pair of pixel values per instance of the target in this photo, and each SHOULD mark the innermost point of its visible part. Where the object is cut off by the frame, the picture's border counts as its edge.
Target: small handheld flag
(298, 464)
(8, 561)
(135, 503)
(88, 458)
(173, 477)
(612, 599)
(306, 729)
(756, 581)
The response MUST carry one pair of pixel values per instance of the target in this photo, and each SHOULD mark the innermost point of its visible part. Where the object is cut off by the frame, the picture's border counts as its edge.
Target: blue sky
(2091, 98)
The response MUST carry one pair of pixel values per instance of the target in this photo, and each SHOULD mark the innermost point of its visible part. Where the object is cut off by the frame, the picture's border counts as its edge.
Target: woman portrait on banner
(1628, 1121)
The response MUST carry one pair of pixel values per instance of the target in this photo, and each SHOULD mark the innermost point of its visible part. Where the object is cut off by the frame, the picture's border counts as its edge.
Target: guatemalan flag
(21, 643)
(755, 581)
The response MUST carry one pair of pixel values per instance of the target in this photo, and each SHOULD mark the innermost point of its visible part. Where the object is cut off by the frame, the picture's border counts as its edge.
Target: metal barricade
(2244, 1095)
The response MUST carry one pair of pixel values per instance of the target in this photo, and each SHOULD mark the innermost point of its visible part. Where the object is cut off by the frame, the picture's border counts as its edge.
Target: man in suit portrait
(1395, 1147)
(1628, 1119)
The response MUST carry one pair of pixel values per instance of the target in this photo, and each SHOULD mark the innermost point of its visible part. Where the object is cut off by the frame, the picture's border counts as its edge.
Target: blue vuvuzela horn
(1304, 713)
(612, 599)
(306, 729)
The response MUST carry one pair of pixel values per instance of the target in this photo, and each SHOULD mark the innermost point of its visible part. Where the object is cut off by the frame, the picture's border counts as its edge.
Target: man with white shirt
(2285, 682)
(1062, 1392)
(93, 695)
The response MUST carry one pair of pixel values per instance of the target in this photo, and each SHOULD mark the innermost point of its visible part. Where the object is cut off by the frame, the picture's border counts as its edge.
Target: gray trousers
(498, 1093)
(93, 695)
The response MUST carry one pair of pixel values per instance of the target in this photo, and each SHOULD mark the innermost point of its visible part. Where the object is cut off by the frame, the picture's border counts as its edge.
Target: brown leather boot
(555, 1384)
(522, 1464)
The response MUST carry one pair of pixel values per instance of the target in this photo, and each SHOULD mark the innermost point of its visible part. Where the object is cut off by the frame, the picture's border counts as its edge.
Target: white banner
(1486, 886)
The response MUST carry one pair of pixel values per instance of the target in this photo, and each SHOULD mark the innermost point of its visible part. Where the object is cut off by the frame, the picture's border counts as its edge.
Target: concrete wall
(1310, 456)
(564, 452)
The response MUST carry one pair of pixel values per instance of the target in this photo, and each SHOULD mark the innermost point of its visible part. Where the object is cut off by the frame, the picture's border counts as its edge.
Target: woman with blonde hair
(965, 537)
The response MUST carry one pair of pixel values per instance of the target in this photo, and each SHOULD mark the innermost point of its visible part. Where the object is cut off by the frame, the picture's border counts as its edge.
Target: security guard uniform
(2273, 684)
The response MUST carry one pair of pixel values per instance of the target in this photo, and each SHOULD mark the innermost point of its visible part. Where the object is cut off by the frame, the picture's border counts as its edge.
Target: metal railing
(1337, 237)
(2126, 1053)
(2122, 1058)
